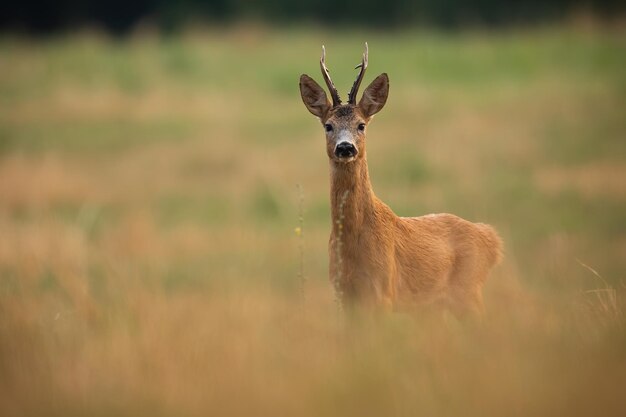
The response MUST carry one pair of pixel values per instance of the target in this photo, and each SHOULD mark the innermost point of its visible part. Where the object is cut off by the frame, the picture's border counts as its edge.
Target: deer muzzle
(345, 150)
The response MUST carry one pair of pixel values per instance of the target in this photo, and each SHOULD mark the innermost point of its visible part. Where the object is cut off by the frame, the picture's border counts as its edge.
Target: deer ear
(375, 96)
(314, 96)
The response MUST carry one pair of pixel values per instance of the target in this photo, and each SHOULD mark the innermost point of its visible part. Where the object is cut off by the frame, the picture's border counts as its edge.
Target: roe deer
(376, 257)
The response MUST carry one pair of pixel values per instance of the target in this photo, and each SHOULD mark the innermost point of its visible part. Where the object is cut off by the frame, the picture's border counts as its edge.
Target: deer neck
(351, 195)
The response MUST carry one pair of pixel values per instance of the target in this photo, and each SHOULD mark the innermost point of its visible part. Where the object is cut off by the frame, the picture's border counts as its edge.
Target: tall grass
(148, 263)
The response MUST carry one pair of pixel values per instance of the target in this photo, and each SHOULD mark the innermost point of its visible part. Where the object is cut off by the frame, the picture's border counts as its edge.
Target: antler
(359, 78)
(333, 91)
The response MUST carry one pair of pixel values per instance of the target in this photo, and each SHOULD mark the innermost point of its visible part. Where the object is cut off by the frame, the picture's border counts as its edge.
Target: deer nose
(345, 150)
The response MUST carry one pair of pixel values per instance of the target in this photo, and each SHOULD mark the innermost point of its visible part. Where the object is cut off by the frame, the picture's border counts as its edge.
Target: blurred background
(121, 17)
(164, 206)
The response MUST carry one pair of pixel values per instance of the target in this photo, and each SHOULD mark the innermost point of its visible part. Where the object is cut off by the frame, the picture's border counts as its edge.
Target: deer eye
(328, 127)
(361, 127)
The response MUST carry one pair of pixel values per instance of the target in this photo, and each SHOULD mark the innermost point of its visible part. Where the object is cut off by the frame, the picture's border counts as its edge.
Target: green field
(148, 200)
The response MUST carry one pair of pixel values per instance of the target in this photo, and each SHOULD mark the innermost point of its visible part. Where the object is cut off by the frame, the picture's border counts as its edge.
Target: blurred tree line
(119, 16)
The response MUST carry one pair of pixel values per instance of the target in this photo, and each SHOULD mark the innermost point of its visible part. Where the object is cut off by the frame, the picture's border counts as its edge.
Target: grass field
(148, 200)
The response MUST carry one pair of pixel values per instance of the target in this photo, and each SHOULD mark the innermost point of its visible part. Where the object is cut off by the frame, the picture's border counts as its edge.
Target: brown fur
(378, 258)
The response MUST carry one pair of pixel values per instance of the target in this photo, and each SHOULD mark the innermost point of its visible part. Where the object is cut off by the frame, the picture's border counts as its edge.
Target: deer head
(345, 124)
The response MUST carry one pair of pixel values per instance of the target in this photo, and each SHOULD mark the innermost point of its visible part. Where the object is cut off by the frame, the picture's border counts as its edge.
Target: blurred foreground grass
(148, 264)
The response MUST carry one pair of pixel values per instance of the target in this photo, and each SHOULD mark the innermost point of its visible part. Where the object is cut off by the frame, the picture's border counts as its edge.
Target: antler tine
(359, 78)
(333, 91)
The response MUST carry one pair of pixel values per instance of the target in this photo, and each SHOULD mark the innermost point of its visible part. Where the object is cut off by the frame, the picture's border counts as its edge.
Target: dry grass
(148, 260)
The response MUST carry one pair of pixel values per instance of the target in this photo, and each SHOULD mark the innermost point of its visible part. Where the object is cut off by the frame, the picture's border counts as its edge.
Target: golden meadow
(149, 197)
